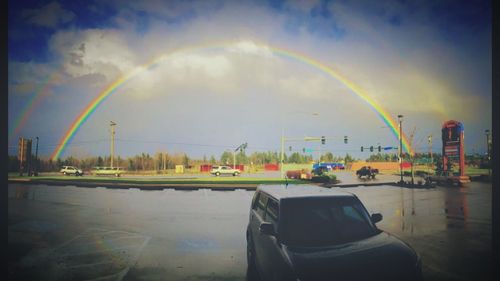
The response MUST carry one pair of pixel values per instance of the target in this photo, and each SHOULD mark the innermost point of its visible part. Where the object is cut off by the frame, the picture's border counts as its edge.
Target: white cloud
(94, 51)
(249, 47)
(213, 66)
(50, 15)
(221, 63)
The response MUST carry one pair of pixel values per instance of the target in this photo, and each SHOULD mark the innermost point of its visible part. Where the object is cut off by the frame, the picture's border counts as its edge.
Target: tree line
(164, 160)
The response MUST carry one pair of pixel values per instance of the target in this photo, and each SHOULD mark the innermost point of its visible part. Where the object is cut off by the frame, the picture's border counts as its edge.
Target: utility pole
(400, 119)
(488, 151)
(164, 156)
(412, 160)
(36, 158)
(112, 124)
(430, 152)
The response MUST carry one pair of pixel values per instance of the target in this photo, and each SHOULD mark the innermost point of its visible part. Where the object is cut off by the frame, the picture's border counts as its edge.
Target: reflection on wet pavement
(56, 233)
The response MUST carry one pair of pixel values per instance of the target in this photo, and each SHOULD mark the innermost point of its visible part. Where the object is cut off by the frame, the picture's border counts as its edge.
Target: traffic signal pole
(282, 158)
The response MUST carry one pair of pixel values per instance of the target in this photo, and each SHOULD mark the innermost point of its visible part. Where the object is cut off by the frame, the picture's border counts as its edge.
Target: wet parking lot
(74, 233)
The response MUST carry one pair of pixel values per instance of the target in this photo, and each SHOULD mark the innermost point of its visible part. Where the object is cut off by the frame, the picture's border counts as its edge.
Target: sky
(218, 81)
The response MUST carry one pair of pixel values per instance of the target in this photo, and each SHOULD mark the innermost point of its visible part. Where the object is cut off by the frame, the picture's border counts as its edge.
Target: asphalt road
(72, 233)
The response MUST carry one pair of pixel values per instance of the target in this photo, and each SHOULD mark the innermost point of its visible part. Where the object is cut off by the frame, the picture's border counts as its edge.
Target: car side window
(272, 212)
(255, 200)
(352, 214)
(261, 205)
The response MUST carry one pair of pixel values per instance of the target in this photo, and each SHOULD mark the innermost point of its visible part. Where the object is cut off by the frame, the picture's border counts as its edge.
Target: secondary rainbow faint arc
(92, 106)
(33, 102)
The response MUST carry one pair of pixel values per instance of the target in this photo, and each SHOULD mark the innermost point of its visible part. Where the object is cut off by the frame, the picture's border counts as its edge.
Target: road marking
(136, 257)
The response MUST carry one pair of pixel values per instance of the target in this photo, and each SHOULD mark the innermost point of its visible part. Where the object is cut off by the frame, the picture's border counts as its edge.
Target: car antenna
(286, 181)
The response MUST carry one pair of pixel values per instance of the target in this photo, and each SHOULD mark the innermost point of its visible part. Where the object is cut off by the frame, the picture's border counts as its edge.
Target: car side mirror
(267, 228)
(376, 217)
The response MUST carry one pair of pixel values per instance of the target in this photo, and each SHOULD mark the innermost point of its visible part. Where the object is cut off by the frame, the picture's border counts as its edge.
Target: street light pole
(488, 151)
(400, 119)
(112, 124)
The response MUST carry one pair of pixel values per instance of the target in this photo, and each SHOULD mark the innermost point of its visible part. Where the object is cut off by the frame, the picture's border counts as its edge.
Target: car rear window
(314, 222)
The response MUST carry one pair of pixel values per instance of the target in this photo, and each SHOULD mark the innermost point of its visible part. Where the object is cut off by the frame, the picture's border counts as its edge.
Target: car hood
(380, 257)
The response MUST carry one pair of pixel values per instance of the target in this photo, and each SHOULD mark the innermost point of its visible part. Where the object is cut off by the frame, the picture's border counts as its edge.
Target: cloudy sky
(221, 81)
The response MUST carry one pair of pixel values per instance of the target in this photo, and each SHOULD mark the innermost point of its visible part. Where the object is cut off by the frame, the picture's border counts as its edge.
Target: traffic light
(303, 150)
(361, 149)
(323, 140)
(379, 148)
(345, 139)
(371, 148)
(289, 148)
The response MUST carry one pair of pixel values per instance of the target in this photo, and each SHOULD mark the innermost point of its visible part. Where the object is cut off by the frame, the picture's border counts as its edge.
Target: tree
(185, 160)
(226, 158)
(212, 160)
(327, 157)
(100, 161)
(241, 157)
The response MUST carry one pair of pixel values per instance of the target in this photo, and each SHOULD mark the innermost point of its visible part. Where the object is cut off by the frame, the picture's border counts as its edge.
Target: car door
(257, 217)
(273, 264)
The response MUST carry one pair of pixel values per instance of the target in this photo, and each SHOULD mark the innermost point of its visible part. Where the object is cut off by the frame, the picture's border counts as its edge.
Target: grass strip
(225, 181)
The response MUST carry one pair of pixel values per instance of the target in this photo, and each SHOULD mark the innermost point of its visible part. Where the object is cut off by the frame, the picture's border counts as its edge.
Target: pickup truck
(447, 178)
(366, 171)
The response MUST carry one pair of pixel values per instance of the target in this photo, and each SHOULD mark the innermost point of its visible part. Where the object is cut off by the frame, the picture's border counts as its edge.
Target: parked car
(70, 170)
(224, 170)
(108, 171)
(306, 232)
(447, 178)
(366, 171)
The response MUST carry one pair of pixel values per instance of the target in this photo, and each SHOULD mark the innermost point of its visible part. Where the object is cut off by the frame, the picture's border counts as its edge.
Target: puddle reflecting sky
(202, 232)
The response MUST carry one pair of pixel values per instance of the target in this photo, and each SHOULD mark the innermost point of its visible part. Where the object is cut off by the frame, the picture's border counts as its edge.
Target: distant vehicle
(224, 170)
(319, 170)
(305, 232)
(70, 170)
(108, 171)
(447, 178)
(366, 171)
(329, 166)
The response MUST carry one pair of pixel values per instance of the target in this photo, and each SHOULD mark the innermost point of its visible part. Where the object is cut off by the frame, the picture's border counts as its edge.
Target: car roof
(301, 191)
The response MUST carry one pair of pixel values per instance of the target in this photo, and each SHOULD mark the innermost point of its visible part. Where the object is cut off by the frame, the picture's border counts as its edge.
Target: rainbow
(113, 87)
(33, 102)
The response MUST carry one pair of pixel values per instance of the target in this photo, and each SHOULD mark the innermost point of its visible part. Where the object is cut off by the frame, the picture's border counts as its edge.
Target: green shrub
(322, 179)
(325, 178)
(333, 177)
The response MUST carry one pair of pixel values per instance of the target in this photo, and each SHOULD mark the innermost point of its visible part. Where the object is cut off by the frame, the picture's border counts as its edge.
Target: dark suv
(306, 232)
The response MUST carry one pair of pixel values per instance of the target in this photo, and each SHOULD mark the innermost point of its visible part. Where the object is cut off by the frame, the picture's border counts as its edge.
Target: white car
(108, 171)
(70, 170)
(224, 170)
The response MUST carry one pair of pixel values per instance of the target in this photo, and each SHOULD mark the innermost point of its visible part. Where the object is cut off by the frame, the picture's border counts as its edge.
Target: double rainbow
(113, 87)
(33, 102)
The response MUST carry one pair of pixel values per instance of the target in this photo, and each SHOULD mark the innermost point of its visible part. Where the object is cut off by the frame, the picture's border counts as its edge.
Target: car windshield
(319, 222)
